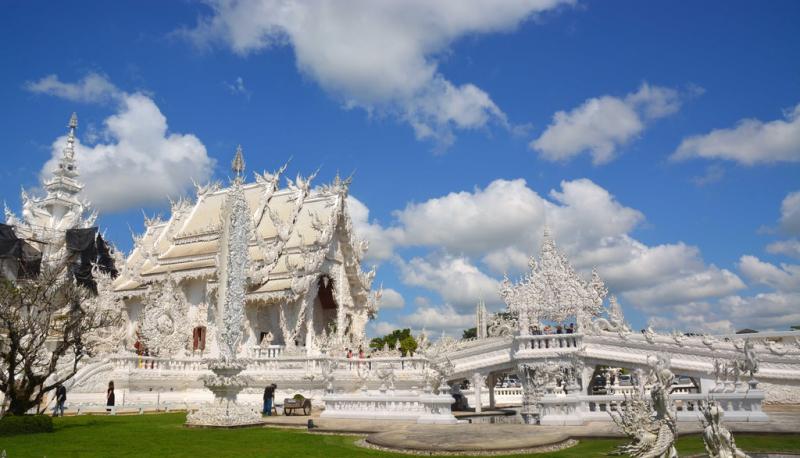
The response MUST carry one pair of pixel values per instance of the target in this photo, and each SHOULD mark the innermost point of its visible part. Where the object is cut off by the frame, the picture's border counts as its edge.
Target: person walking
(61, 398)
(110, 396)
(269, 396)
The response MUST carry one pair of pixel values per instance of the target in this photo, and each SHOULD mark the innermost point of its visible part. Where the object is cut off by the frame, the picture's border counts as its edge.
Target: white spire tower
(63, 188)
(480, 319)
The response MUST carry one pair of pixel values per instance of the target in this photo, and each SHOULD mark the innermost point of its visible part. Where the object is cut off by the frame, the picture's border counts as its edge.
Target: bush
(25, 424)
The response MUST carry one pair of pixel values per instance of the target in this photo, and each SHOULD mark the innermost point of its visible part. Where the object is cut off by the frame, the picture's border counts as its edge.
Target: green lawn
(165, 435)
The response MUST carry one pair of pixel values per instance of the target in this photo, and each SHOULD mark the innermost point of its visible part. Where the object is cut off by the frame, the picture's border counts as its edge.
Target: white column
(477, 382)
(491, 381)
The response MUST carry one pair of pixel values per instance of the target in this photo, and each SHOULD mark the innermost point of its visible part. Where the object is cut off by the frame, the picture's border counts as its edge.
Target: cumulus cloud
(92, 88)
(455, 278)
(444, 317)
(790, 213)
(378, 56)
(497, 228)
(785, 247)
(785, 277)
(381, 328)
(773, 310)
(392, 299)
(602, 125)
(750, 142)
(141, 162)
(381, 241)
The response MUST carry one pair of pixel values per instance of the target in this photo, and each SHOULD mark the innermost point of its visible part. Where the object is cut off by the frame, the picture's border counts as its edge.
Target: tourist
(559, 329)
(349, 353)
(571, 328)
(269, 396)
(547, 329)
(61, 398)
(537, 331)
(360, 352)
(110, 396)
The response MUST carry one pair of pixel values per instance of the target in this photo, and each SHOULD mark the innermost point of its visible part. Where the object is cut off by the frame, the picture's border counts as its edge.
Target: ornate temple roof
(290, 226)
(552, 289)
(44, 219)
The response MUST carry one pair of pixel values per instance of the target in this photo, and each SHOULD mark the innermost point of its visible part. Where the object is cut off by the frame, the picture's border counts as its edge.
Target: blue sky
(659, 140)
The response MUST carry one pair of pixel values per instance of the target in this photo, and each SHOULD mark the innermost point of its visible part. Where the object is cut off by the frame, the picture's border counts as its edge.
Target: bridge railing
(545, 342)
(569, 409)
(270, 363)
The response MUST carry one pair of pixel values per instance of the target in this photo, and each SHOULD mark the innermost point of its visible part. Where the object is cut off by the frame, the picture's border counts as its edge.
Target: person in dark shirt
(269, 396)
(110, 396)
(61, 398)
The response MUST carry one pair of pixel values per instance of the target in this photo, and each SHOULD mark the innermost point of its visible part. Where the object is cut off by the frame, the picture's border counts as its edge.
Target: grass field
(165, 435)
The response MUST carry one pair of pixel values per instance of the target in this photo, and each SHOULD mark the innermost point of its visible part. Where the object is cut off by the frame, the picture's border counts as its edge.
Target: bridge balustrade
(549, 342)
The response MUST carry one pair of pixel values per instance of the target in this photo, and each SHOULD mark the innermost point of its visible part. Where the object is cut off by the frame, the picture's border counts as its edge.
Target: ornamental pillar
(491, 382)
(478, 380)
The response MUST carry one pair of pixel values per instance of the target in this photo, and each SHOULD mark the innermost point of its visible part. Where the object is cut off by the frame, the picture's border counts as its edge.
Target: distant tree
(399, 338)
(48, 324)
(470, 333)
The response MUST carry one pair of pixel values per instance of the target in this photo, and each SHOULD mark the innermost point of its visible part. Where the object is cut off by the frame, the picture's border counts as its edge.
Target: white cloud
(237, 87)
(602, 125)
(775, 310)
(709, 283)
(783, 278)
(750, 142)
(381, 241)
(499, 227)
(381, 328)
(379, 56)
(142, 162)
(455, 278)
(93, 88)
(713, 174)
(785, 247)
(440, 318)
(790, 213)
(392, 299)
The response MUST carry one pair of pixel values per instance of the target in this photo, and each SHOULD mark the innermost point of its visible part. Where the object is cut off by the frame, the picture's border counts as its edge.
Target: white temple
(305, 276)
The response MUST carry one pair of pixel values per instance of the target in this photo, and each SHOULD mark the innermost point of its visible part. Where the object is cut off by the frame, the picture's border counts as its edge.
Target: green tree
(470, 333)
(399, 338)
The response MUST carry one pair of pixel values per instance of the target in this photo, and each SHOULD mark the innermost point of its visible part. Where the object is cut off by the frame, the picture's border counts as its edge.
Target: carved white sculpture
(164, 327)
(227, 382)
(652, 436)
(552, 290)
(717, 438)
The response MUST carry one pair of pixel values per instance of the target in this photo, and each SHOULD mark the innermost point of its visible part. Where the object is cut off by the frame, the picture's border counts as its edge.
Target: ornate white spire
(237, 165)
(64, 177)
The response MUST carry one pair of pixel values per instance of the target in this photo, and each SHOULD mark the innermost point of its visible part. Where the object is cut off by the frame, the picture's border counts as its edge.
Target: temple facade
(305, 281)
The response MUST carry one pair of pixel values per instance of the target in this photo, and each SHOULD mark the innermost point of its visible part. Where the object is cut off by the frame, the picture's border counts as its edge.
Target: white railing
(270, 363)
(390, 405)
(577, 409)
(545, 342)
(271, 351)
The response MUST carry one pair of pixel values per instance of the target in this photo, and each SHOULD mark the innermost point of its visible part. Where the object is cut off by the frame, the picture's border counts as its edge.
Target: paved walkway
(486, 437)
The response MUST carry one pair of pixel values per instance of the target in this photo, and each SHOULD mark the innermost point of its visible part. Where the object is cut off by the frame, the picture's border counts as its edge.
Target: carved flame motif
(165, 329)
(552, 290)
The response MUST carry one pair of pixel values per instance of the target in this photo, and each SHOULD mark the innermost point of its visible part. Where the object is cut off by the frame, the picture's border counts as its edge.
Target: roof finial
(238, 162)
(69, 150)
(546, 233)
